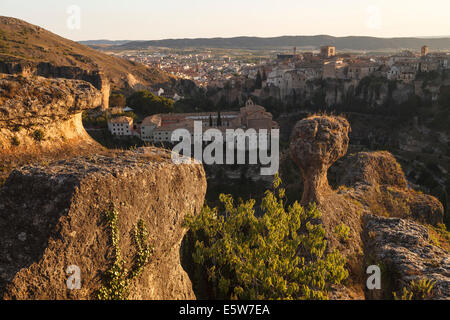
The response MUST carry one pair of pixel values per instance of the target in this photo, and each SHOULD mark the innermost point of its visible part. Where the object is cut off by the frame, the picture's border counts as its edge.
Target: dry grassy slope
(21, 41)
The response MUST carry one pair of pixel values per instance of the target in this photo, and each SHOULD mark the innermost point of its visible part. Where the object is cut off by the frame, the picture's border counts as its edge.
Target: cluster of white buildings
(158, 128)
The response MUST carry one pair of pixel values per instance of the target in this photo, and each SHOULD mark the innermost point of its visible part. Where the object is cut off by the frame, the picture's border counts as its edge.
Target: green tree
(146, 103)
(258, 84)
(117, 100)
(279, 255)
(264, 76)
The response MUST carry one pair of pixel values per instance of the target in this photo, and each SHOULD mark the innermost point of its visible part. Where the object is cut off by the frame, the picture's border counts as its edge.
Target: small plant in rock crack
(38, 135)
(117, 279)
(416, 290)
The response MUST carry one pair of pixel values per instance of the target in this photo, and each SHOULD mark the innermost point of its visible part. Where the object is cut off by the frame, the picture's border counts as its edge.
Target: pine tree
(258, 80)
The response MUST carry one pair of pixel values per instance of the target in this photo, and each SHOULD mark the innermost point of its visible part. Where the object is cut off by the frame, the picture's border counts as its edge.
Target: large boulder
(316, 144)
(54, 216)
(42, 117)
(373, 168)
(40, 101)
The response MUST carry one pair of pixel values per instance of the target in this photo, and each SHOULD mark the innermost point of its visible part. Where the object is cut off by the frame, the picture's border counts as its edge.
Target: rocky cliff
(372, 184)
(51, 71)
(40, 117)
(54, 211)
(371, 92)
(54, 216)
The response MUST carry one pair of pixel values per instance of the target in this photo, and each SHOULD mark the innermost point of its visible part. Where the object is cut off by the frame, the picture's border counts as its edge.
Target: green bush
(444, 97)
(278, 255)
(117, 100)
(343, 232)
(129, 114)
(99, 121)
(416, 290)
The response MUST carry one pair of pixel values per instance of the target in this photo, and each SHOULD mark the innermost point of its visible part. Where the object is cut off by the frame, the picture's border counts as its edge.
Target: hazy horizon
(153, 20)
(280, 36)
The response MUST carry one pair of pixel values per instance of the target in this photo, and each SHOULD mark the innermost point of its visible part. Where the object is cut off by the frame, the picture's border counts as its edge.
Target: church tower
(425, 50)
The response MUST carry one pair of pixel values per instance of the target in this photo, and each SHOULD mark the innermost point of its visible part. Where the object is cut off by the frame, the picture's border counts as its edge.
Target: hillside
(24, 43)
(341, 43)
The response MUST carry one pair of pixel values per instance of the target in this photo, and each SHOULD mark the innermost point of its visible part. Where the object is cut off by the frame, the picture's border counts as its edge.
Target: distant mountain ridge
(103, 42)
(341, 43)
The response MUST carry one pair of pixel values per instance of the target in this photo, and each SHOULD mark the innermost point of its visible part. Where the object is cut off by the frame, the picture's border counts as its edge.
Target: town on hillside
(289, 71)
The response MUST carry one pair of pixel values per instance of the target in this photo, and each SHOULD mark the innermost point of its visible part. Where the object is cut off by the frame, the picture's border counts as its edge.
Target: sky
(157, 19)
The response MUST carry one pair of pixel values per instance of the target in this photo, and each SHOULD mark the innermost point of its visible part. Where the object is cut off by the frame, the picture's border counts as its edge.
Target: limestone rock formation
(316, 143)
(41, 116)
(374, 168)
(405, 252)
(372, 183)
(378, 182)
(37, 100)
(52, 217)
(50, 71)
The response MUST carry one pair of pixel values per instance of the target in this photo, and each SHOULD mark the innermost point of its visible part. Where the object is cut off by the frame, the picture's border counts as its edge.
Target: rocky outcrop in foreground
(40, 116)
(51, 71)
(405, 252)
(54, 216)
(372, 184)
